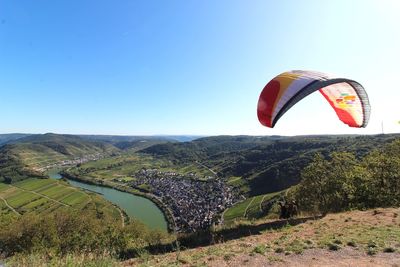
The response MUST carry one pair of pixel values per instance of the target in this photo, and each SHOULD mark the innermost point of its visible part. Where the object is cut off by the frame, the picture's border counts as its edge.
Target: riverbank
(171, 226)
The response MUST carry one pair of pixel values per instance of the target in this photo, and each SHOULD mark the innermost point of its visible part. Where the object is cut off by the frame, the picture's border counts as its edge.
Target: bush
(389, 250)
(65, 232)
(83, 260)
(333, 246)
(351, 243)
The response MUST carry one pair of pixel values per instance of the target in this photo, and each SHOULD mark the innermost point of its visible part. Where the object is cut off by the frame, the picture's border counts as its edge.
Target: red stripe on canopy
(266, 102)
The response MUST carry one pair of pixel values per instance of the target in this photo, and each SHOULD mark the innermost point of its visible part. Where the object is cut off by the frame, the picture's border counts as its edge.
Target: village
(72, 162)
(194, 203)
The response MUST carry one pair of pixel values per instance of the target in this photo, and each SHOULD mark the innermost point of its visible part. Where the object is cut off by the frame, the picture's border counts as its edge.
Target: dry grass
(356, 238)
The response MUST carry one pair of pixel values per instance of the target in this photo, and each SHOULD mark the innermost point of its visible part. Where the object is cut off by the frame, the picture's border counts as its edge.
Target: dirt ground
(358, 238)
(314, 257)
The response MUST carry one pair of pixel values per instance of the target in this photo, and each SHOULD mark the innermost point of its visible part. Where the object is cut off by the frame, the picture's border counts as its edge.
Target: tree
(383, 176)
(342, 182)
(7, 180)
(327, 185)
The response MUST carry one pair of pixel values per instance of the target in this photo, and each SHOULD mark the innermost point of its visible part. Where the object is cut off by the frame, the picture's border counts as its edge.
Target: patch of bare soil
(314, 257)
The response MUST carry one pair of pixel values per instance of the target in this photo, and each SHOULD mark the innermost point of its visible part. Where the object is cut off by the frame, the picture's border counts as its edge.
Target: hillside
(5, 138)
(354, 238)
(129, 138)
(203, 148)
(27, 155)
(135, 143)
(44, 196)
(30, 155)
(251, 234)
(253, 208)
(260, 165)
(254, 165)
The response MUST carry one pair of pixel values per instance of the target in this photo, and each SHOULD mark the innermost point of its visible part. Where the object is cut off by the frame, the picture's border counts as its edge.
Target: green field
(75, 198)
(35, 184)
(47, 195)
(249, 208)
(3, 187)
(240, 183)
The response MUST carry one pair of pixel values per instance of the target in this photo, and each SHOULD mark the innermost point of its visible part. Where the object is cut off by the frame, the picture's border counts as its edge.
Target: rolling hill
(27, 156)
(254, 164)
(135, 143)
(260, 165)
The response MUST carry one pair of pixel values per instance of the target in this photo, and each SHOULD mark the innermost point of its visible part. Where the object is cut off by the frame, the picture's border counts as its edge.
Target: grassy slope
(367, 238)
(356, 238)
(47, 195)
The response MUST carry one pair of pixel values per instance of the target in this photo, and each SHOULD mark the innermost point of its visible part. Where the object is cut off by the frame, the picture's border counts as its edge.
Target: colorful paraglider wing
(347, 100)
(347, 97)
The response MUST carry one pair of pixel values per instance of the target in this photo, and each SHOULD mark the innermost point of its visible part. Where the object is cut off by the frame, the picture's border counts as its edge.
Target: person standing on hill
(284, 210)
(292, 209)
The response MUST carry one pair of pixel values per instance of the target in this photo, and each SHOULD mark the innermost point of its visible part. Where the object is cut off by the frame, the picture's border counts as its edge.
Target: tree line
(341, 181)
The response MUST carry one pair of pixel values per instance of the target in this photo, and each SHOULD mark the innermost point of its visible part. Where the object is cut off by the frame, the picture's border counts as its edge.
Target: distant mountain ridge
(132, 138)
(16, 137)
(6, 138)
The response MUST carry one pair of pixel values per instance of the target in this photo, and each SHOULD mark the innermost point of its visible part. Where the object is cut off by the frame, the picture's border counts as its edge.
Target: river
(135, 206)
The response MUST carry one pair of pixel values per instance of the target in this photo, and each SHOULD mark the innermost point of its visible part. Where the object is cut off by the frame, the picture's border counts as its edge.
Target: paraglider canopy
(347, 97)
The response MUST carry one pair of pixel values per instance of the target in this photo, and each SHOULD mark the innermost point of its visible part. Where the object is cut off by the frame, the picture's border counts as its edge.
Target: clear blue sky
(189, 67)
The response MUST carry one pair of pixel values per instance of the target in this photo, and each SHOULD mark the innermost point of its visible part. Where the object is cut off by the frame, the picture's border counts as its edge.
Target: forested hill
(260, 165)
(203, 148)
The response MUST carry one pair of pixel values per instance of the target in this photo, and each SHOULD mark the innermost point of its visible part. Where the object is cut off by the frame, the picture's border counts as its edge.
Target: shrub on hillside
(65, 231)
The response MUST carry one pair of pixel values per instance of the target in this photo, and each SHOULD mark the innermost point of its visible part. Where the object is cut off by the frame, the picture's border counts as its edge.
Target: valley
(197, 192)
(206, 175)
